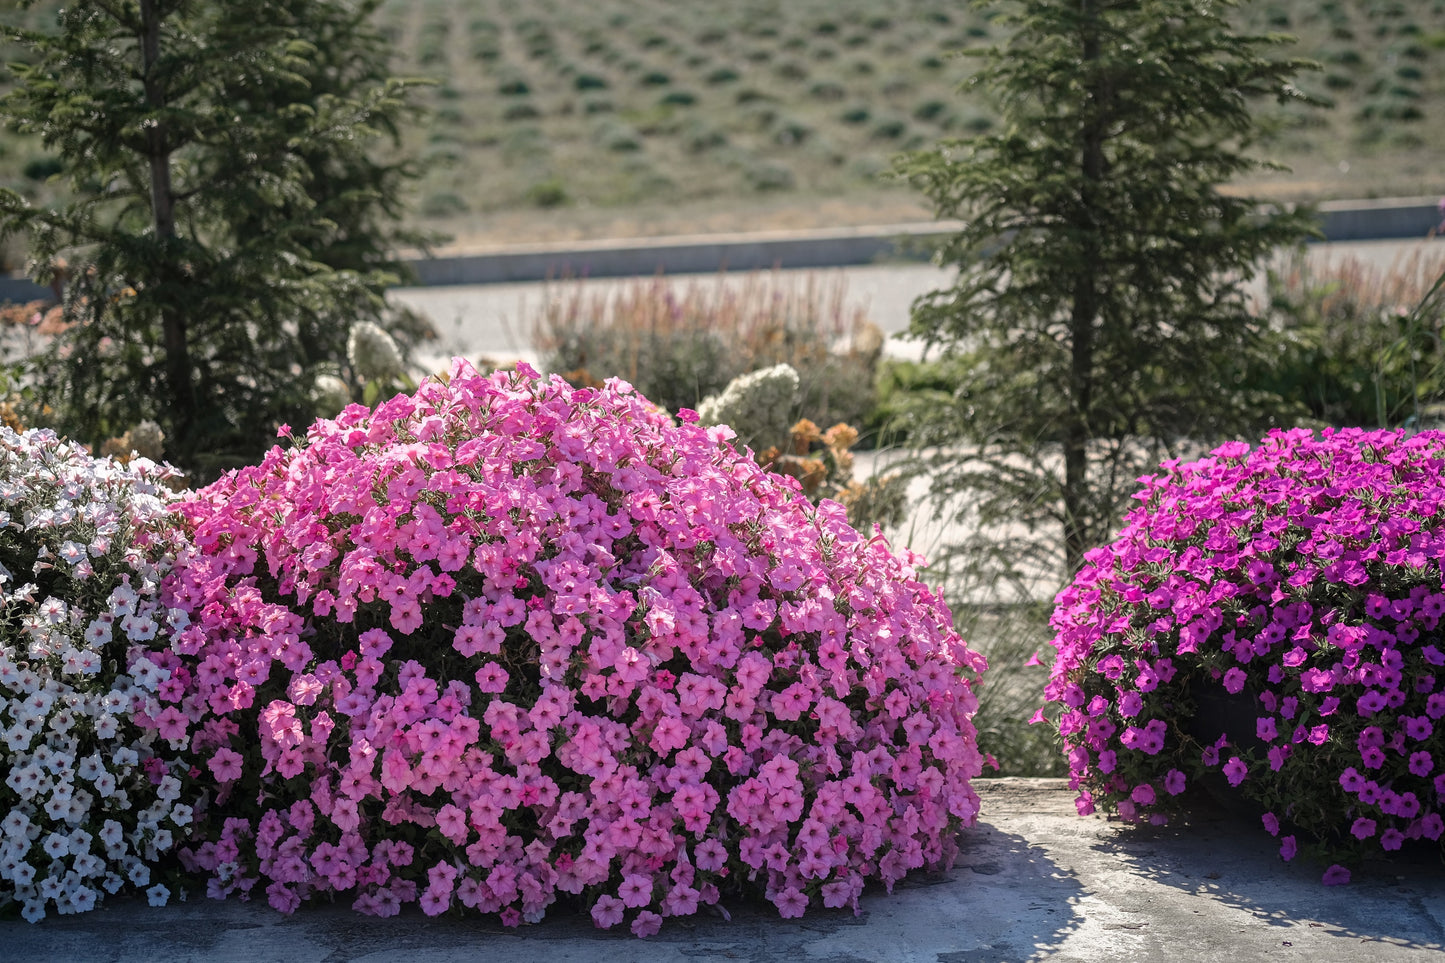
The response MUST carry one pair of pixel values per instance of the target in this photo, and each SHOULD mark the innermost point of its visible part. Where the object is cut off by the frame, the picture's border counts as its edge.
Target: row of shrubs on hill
(689, 97)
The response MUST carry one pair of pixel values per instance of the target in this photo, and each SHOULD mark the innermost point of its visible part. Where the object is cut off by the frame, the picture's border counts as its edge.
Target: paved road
(494, 319)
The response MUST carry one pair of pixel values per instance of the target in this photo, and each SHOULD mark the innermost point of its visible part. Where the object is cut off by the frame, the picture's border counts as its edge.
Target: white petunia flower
(29, 683)
(106, 726)
(111, 833)
(97, 633)
(169, 789)
(79, 807)
(57, 807)
(89, 865)
(178, 620)
(147, 674)
(55, 845)
(15, 824)
(90, 767)
(23, 875)
(54, 611)
(62, 721)
(140, 628)
(17, 738)
(24, 780)
(79, 841)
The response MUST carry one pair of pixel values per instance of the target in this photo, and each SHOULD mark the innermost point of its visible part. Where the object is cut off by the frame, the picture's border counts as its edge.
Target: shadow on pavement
(1228, 858)
(1004, 900)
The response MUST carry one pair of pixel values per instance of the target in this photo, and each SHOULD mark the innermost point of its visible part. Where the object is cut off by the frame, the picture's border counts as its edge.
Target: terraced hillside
(559, 118)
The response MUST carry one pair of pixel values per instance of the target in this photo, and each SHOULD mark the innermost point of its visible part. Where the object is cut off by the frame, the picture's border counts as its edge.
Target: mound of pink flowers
(503, 642)
(1300, 580)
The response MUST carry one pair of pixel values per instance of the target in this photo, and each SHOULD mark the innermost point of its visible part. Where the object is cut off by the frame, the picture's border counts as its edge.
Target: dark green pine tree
(230, 214)
(1098, 321)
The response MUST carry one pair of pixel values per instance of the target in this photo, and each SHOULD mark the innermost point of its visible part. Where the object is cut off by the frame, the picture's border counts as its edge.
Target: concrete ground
(1034, 881)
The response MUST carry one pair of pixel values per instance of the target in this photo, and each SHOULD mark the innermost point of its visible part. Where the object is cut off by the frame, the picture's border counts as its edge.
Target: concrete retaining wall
(682, 255)
(1340, 220)
(21, 290)
(1381, 220)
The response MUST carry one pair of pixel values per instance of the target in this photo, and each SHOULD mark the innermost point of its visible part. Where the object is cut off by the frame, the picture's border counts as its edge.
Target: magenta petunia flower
(1235, 770)
(1294, 589)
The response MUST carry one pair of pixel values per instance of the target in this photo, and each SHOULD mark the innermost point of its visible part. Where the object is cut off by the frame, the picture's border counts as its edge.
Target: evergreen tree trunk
(1085, 295)
(158, 155)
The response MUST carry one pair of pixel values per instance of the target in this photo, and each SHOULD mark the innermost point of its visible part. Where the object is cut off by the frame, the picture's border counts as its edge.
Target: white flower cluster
(90, 800)
(758, 406)
(373, 353)
(330, 395)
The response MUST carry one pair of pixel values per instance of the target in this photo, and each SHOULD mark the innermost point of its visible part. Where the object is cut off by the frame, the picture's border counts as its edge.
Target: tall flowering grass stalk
(1357, 344)
(94, 792)
(502, 641)
(679, 343)
(1302, 580)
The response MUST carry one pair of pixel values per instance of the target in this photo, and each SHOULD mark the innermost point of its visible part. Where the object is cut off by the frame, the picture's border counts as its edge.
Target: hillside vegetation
(554, 118)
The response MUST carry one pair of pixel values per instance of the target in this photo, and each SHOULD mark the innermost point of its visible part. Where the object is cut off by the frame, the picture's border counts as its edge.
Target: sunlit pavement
(1033, 881)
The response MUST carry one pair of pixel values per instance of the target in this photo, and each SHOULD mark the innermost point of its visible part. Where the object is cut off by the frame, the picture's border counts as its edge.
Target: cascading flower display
(93, 792)
(1301, 581)
(501, 641)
